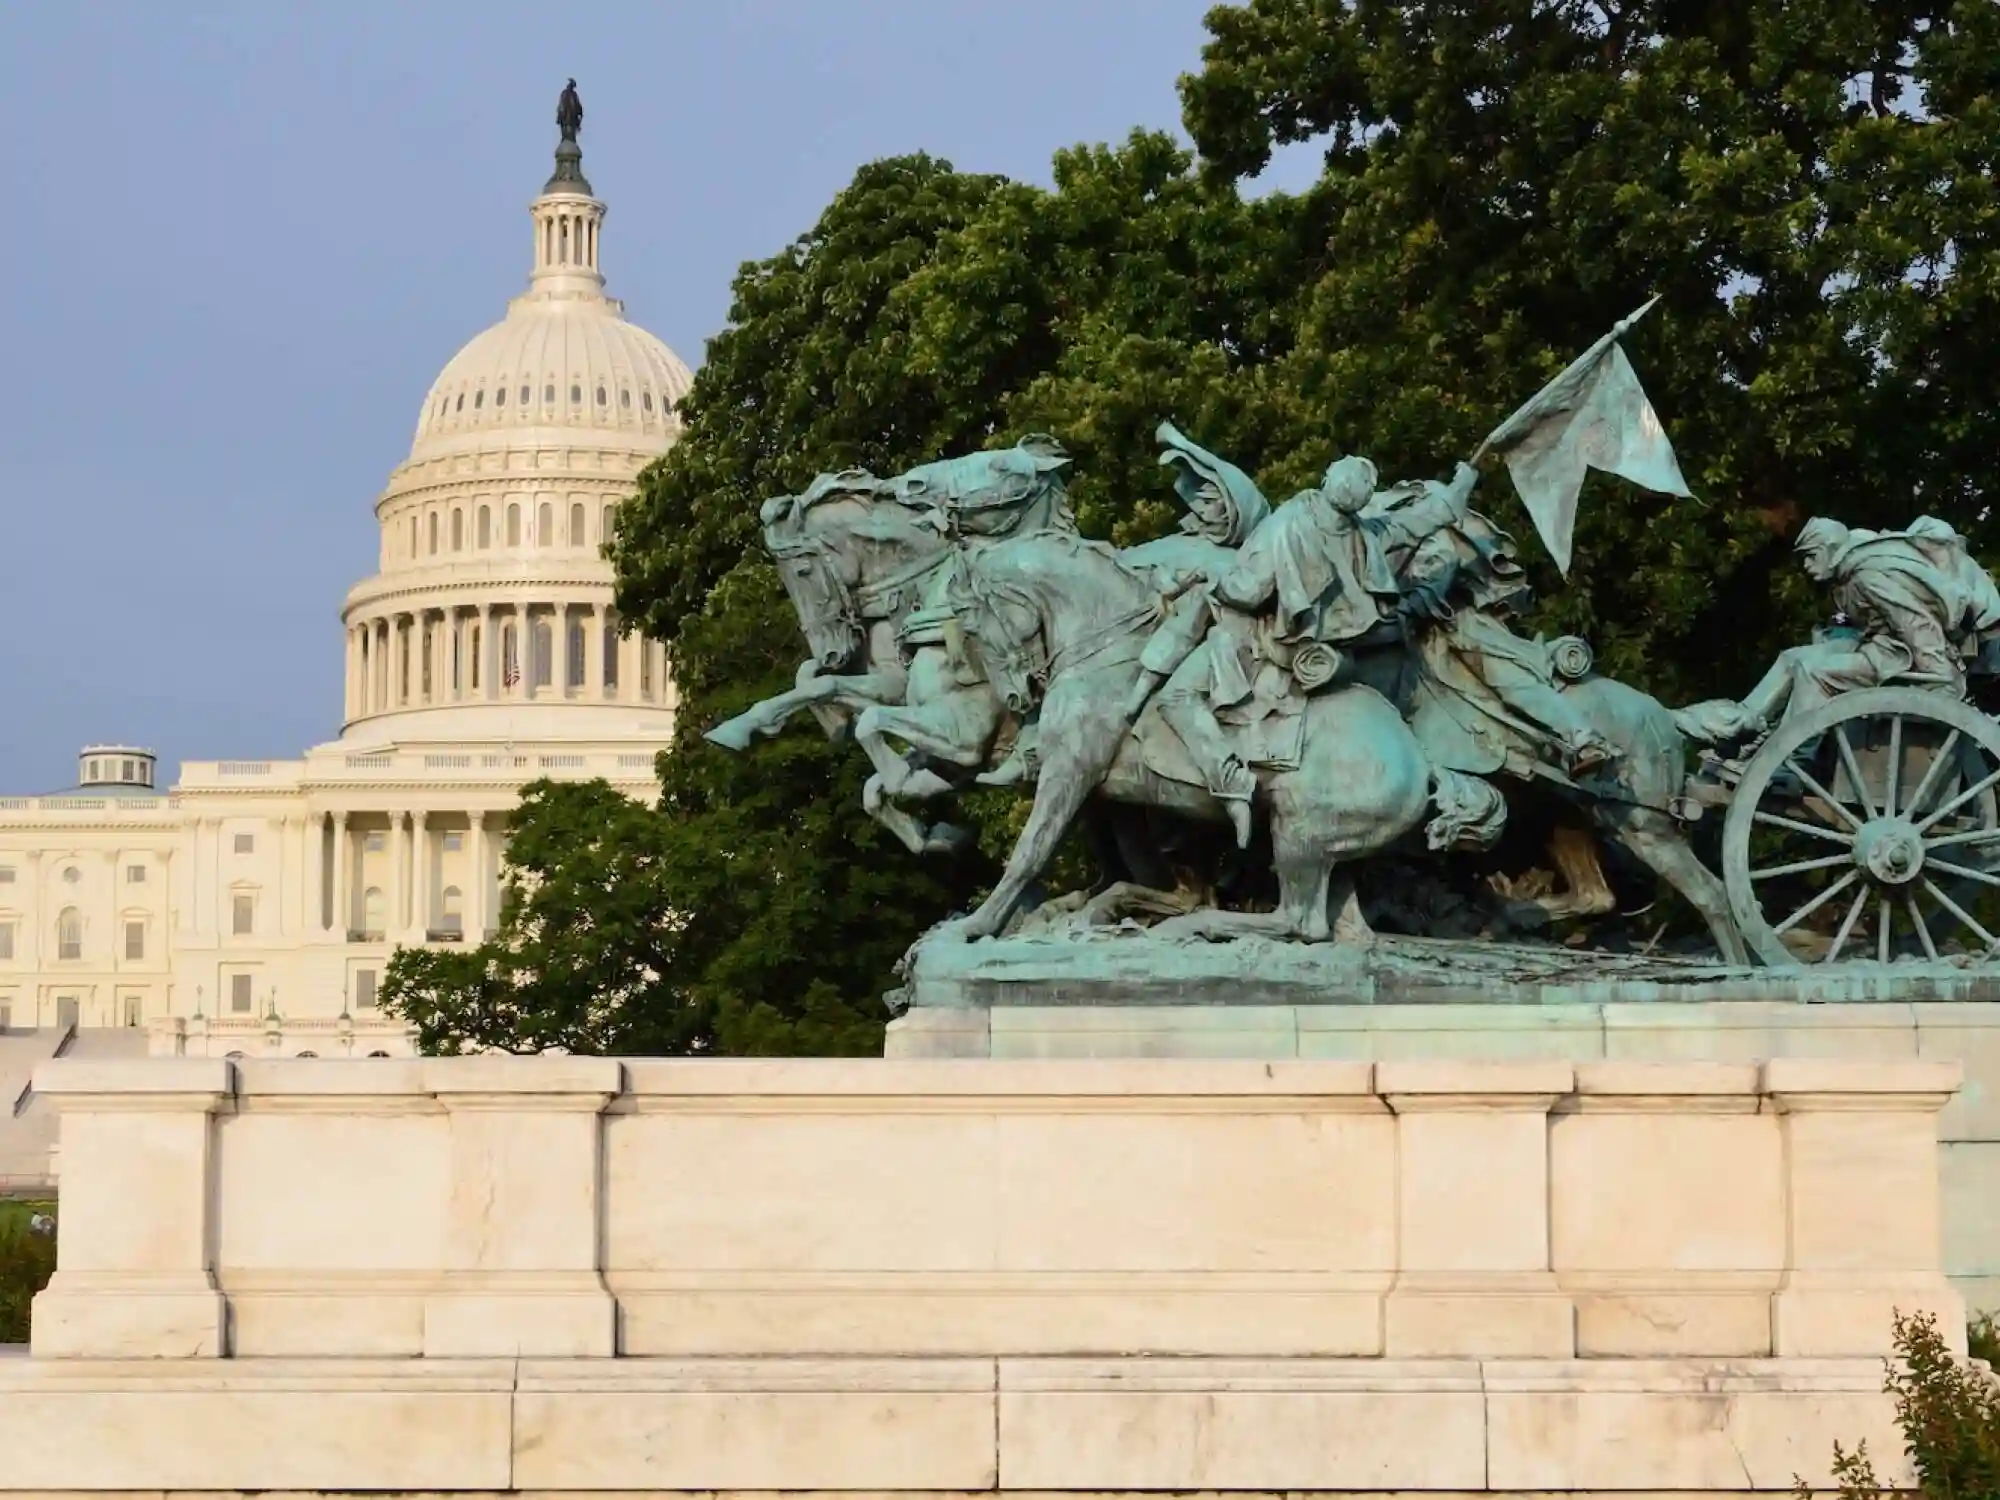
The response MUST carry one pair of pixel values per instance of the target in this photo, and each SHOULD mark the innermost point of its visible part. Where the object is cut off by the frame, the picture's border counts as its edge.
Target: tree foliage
(1808, 186)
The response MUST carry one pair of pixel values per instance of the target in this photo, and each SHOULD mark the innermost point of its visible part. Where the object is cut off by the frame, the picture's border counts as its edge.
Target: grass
(26, 1263)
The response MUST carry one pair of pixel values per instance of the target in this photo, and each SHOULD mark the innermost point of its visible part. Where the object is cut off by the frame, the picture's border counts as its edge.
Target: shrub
(1949, 1414)
(27, 1260)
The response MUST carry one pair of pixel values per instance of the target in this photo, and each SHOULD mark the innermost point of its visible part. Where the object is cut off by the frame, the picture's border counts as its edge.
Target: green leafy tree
(1807, 184)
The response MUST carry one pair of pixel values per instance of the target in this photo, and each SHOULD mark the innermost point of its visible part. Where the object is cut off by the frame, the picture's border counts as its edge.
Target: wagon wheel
(1868, 828)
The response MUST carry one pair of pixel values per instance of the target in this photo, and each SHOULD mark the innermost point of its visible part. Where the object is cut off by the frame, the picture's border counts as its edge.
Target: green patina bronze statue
(1339, 678)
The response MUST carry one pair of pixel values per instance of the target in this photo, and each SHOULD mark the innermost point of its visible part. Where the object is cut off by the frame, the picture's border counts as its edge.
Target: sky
(243, 239)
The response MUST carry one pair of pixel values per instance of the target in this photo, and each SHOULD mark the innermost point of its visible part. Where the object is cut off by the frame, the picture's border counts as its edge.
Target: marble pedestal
(575, 1276)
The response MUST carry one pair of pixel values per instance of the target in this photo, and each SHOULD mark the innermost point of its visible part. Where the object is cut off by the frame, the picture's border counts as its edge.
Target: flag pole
(1534, 405)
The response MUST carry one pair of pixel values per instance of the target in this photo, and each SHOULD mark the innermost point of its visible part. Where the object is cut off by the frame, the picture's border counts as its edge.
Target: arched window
(485, 527)
(433, 533)
(645, 668)
(646, 399)
(576, 536)
(573, 648)
(373, 911)
(525, 393)
(69, 933)
(413, 537)
(513, 525)
(610, 653)
(451, 915)
(544, 653)
(478, 655)
(600, 395)
(545, 525)
(499, 395)
(610, 522)
(510, 655)
(458, 531)
(478, 398)
(625, 397)
(576, 395)
(459, 405)
(548, 395)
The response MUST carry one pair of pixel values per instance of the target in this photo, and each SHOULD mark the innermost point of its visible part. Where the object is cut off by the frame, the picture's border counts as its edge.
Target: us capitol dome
(252, 908)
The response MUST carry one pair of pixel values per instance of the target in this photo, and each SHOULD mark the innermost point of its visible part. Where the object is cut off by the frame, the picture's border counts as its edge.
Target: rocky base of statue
(1126, 966)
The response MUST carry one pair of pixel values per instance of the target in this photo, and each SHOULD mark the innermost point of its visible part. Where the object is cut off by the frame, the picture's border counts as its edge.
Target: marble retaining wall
(489, 1274)
(1659, 1031)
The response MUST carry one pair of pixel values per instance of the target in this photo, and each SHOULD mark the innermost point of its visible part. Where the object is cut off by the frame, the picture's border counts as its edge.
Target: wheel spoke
(1969, 836)
(1991, 779)
(1937, 895)
(1923, 927)
(1818, 901)
(1817, 830)
(1853, 769)
(1847, 924)
(1931, 772)
(1799, 867)
(1813, 786)
(1883, 928)
(1962, 872)
(1895, 774)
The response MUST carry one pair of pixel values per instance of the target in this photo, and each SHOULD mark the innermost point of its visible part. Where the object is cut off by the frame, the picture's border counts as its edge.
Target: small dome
(569, 362)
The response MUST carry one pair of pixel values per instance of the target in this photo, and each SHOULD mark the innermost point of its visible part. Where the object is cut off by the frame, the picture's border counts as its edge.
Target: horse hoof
(735, 735)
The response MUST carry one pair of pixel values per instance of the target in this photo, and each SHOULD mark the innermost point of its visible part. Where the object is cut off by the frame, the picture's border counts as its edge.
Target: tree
(1807, 184)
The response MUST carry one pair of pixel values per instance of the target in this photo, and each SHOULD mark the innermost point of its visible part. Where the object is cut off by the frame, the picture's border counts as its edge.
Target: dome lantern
(568, 215)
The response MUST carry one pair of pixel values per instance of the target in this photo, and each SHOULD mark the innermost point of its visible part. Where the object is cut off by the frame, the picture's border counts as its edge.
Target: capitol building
(251, 907)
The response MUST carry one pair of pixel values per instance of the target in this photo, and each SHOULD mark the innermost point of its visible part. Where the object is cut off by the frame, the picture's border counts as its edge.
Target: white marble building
(252, 907)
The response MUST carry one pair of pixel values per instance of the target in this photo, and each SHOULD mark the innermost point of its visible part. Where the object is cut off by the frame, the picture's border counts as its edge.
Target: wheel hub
(1890, 850)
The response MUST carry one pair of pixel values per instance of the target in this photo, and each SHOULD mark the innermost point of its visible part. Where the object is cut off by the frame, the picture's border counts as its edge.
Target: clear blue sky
(243, 238)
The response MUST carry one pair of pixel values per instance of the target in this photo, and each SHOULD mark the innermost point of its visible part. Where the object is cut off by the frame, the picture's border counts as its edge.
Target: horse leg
(1658, 841)
(1586, 892)
(771, 715)
(1058, 799)
(956, 729)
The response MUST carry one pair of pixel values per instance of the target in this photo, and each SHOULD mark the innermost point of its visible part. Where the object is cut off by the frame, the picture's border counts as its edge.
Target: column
(135, 1279)
(521, 1250)
(1473, 1272)
(204, 876)
(489, 636)
(420, 877)
(312, 877)
(593, 652)
(628, 667)
(559, 641)
(1861, 1207)
(524, 650)
(342, 905)
(475, 885)
(408, 668)
(394, 918)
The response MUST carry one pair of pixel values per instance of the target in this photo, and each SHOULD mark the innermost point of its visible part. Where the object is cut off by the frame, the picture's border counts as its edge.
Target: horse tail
(1471, 813)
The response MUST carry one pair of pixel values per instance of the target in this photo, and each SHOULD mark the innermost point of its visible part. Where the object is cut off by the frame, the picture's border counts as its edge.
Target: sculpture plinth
(809, 1276)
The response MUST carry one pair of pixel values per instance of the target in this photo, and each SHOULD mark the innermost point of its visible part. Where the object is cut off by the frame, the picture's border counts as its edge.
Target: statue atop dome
(569, 111)
(569, 176)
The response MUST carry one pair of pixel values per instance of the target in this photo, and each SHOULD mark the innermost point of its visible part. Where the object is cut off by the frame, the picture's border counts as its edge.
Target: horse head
(995, 492)
(849, 552)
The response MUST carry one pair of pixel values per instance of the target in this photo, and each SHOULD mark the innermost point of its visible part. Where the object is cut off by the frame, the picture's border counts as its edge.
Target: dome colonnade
(492, 587)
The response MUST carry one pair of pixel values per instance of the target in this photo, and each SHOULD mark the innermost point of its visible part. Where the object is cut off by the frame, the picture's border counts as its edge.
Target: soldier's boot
(1228, 780)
